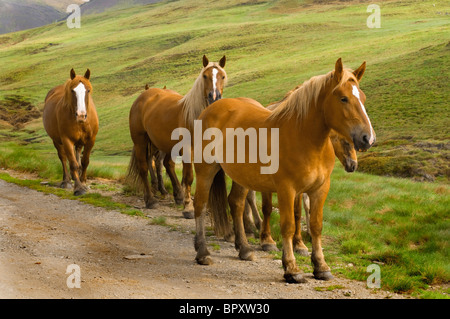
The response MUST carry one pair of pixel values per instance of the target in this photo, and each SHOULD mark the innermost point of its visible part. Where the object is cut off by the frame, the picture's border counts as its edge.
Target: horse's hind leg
(159, 158)
(252, 220)
(236, 200)
(141, 154)
(267, 242)
(177, 190)
(186, 182)
(152, 155)
(63, 158)
(299, 246)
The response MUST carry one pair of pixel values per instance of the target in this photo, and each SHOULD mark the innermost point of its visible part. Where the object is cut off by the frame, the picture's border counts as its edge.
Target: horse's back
(235, 112)
(156, 112)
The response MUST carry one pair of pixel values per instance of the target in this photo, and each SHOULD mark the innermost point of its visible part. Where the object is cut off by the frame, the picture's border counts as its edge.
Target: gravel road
(121, 256)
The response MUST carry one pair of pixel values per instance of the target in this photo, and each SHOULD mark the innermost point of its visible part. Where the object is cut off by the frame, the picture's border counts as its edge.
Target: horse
(301, 161)
(346, 154)
(71, 121)
(155, 114)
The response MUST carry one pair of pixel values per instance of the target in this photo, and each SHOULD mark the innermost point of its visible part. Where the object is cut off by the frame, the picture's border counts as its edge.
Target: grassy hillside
(271, 46)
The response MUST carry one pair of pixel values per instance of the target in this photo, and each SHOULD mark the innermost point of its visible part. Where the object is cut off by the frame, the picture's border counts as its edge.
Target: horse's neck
(193, 103)
(311, 130)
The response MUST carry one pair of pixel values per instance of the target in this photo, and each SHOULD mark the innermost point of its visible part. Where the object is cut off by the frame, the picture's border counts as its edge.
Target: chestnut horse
(346, 154)
(71, 121)
(300, 126)
(155, 114)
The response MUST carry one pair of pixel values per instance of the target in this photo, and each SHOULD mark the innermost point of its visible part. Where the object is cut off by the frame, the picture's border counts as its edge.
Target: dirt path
(121, 256)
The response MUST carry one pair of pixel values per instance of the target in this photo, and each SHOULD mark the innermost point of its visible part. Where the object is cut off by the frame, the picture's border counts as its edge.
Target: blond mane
(298, 101)
(194, 102)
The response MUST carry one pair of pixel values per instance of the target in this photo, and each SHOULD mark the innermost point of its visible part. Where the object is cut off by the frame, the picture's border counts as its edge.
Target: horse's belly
(249, 176)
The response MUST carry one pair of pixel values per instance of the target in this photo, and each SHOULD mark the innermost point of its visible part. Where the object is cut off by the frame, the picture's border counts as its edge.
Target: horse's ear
(359, 72)
(205, 61)
(72, 74)
(338, 69)
(87, 75)
(222, 62)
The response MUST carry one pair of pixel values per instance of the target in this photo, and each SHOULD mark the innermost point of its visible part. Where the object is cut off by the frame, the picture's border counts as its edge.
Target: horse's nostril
(366, 139)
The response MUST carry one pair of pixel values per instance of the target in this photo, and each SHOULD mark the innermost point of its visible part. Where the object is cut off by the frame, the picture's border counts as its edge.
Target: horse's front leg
(292, 273)
(205, 177)
(69, 149)
(186, 182)
(85, 160)
(299, 246)
(177, 190)
(267, 242)
(317, 200)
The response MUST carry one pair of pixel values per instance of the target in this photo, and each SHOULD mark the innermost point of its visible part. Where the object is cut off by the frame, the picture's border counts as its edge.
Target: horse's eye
(344, 99)
(204, 76)
(223, 77)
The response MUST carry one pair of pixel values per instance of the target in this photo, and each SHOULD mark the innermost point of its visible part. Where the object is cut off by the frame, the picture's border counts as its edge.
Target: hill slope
(27, 14)
(271, 47)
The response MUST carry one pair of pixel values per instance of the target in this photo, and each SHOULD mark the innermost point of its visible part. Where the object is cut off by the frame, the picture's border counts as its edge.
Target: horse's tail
(218, 205)
(132, 179)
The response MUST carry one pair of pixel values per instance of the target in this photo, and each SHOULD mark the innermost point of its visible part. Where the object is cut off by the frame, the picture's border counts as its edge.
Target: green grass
(399, 224)
(272, 46)
(93, 198)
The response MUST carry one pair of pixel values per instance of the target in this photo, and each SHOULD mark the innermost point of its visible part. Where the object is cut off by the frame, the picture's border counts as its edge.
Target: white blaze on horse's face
(214, 80)
(80, 92)
(355, 92)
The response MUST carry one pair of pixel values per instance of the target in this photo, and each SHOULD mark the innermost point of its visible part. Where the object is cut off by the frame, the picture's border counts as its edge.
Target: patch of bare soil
(16, 111)
(121, 256)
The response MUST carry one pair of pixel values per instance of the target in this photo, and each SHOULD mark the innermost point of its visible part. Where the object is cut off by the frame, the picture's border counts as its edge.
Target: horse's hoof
(188, 215)
(152, 205)
(179, 201)
(302, 252)
(205, 260)
(294, 278)
(269, 247)
(323, 275)
(246, 254)
(229, 237)
(79, 192)
(66, 185)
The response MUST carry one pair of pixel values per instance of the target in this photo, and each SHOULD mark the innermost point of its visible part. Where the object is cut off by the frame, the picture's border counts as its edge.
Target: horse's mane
(194, 102)
(298, 100)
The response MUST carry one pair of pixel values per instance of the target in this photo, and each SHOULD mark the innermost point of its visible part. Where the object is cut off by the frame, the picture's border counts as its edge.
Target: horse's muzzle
(214, 96)
(350, 165)
(362, 141)
(81, 118)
